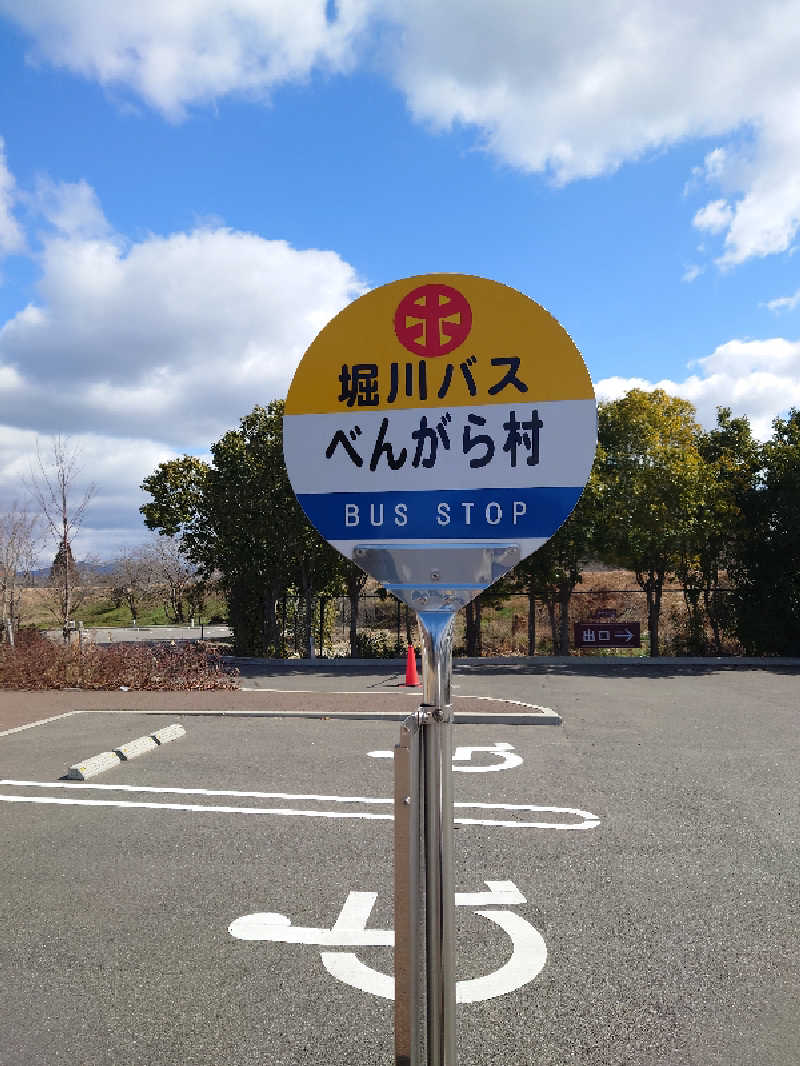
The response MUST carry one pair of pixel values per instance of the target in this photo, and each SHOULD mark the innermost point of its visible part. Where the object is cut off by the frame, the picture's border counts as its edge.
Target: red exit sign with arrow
(607, 635)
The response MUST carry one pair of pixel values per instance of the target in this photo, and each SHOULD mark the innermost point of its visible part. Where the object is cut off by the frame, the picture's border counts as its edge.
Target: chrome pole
(437, 800)
(409, 947)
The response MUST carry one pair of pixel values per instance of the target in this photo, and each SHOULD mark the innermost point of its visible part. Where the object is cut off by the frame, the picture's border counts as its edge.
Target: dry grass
(39, 663)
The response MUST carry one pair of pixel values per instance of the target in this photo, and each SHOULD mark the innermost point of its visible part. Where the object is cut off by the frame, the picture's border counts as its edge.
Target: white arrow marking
(349, 930)
(501, 893)
(528, 956)
(508, 761)
(527, 960)
(499, 748)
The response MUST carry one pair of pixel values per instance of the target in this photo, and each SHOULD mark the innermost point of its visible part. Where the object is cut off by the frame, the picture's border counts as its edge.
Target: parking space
(627, 888)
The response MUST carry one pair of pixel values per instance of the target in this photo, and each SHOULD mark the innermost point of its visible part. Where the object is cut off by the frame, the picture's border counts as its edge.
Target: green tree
(177, 490)
(765, 567)
(240, 516)
(551, 573)
(649, 481)
(730, 462)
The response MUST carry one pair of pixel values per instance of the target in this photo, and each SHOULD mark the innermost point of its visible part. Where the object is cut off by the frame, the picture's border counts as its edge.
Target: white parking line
(587, 820)
(41, 721)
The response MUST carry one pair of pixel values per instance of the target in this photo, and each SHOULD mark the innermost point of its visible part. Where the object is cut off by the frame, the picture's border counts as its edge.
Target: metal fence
(385, 624)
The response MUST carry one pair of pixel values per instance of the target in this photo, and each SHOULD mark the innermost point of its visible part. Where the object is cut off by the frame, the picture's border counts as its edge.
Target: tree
(649, 482)
(177, 489)
(551, 573)
(766, 553)
(18, 537)
(52, 486)
(175, 577)
(240, 516)
(354, 579)
(730, 463)
(133, 578)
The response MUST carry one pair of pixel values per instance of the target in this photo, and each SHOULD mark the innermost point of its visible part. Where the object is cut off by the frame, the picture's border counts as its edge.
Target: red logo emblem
(432, 320)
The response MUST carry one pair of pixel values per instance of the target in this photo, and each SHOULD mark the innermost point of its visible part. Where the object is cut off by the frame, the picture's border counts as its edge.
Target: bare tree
(177, 578)
(52, 485)
(18, 539)
(133, 577)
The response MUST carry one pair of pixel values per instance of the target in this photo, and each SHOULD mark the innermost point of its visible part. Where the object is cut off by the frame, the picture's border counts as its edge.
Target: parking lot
(627, 881)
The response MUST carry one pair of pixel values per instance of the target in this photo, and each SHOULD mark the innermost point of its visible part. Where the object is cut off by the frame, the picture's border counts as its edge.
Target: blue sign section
(465, 514)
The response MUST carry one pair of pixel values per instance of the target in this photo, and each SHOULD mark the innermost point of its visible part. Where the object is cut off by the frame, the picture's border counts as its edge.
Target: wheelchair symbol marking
(500, 748)
(528, 955)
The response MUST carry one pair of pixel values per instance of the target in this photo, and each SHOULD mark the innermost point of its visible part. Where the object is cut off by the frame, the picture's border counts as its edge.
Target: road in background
(128, 634)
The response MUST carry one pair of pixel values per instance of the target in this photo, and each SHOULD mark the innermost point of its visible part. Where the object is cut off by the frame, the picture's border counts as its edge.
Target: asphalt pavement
(652, 916)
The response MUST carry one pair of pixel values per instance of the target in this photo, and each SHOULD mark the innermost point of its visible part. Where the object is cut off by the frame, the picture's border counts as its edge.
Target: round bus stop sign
(437, 430)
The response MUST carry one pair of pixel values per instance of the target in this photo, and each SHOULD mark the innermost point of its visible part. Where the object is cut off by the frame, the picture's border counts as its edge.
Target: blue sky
(189, 192)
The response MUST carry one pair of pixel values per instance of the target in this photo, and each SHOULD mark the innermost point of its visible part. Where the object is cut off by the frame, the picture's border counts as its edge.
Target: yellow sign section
(434, 340)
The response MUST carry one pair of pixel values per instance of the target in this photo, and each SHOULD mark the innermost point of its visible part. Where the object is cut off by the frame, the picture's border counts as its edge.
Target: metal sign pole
(437, 790)
(425, 999)
(409, 947)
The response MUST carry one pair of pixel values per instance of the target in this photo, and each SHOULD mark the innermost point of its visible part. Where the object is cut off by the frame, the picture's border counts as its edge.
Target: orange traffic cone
(411, 668)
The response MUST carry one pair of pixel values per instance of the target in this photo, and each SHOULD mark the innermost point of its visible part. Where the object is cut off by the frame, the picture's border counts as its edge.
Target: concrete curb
(533, 717)
(571, 662)
(107, 760)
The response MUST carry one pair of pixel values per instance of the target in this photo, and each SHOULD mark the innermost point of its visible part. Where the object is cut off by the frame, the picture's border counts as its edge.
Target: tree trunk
(531, 623)
(551, 613)
(308, 621)
(322, 625)
(473, 628)
(354, 596)
(711, 614)
(564, 595)
(272, 633)
(355, 583)
(653, 590)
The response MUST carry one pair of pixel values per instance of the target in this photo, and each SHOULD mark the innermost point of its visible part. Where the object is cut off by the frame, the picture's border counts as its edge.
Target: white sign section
(527, 959)
(504, 751)
(440, 410)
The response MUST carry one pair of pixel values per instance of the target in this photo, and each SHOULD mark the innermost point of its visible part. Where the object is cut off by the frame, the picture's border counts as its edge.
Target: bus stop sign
(435, 413)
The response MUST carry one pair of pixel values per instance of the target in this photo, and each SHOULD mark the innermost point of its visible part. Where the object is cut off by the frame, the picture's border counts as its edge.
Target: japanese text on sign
(362, 386)
(522, 435)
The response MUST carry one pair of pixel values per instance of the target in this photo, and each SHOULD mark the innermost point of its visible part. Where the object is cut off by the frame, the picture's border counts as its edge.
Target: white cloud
(148, 349)
(72, 208)
(11, 237)
(174, 54)
(570, 89)
(173, 338)
(692, 273)
(784, 303)
(714, 217)
(756, 378)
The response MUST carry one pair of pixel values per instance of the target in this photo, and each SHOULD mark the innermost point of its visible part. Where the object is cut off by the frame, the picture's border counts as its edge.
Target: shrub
(377, 645)
(39, 663)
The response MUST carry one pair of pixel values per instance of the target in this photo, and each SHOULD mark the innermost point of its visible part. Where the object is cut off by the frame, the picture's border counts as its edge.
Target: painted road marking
(587, 819)
(500, 748)
(40, 721)
(528, 955)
